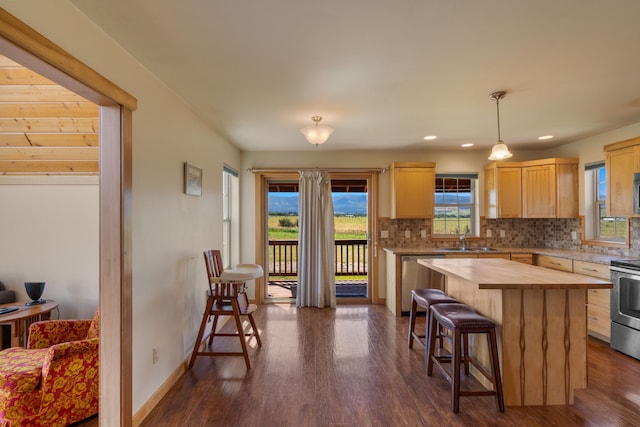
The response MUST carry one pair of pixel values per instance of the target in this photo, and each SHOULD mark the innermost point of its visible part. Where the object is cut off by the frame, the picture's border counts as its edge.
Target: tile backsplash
(532, 233)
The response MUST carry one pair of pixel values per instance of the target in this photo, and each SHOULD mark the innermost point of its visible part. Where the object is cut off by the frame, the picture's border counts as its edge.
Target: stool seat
(424, 297)
(461, 320)
(460, 316)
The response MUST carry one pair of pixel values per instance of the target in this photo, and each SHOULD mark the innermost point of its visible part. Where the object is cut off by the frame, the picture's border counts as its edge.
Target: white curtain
(316, 247)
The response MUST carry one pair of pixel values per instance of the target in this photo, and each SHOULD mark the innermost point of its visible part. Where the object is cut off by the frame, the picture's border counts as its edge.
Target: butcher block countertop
(498, 273)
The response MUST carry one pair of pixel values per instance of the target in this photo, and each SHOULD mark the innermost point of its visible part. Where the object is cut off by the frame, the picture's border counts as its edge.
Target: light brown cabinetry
(494, 255)
(523, 258)
(550, 188)
(562, 264)
(412, 189)
(622, 160)
(598, 300)
(503, 190)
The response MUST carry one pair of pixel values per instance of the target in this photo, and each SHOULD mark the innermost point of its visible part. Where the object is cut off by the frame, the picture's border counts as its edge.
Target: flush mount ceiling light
(316, 134)
(499, 150)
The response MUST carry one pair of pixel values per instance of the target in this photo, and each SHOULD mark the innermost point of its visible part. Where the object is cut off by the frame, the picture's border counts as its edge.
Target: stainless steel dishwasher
(415, 276)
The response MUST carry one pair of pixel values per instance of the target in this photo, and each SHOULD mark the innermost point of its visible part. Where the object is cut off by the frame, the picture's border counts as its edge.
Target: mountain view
(343, 203)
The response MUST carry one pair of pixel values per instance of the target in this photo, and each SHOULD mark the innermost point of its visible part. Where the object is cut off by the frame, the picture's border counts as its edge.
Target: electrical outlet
(502, 233)
(489, 233)
(384, 234)
(407, 234)
(574, 235)
(156, 355)
(423, 234)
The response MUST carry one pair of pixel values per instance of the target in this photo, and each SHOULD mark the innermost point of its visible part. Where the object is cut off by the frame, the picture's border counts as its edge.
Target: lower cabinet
(523, 258)
(598, 300)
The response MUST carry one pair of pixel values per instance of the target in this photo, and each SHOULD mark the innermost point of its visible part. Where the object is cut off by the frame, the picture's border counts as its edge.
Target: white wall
(170, 229)
(49, 229)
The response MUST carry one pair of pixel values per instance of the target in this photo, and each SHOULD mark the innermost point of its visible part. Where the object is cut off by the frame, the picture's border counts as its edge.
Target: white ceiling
(386, 73)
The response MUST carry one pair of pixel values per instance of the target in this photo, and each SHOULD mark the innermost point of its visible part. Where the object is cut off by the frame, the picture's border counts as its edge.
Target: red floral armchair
(54, 381)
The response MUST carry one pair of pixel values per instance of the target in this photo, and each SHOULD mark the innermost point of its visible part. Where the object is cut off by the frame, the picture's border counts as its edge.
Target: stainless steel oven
(625, 306)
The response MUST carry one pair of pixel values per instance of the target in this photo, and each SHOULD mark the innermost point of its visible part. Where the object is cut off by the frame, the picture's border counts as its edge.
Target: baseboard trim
(148, 406)
(151, 403)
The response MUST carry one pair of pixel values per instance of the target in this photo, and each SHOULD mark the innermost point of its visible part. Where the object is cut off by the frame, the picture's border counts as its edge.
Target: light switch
(423, 234)
(574, 235)
(384, 234)
(502, 233)
(489, 233)
(407, 234)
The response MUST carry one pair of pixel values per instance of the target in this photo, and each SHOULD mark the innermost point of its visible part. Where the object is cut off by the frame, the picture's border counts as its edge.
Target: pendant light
(499, 150)
(316, 134)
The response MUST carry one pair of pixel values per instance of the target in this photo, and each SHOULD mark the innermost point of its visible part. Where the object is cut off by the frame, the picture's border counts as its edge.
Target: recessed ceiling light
(542, 138)
(468, 144)
(430, 137)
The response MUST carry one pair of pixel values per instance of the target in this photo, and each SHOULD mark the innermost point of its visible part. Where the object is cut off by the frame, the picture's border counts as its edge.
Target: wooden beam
(38, 93)
(36, 166)
(14, 140)
(49, 153)
(48, 139)
(28, 108)
(61, 125)
(22, 76)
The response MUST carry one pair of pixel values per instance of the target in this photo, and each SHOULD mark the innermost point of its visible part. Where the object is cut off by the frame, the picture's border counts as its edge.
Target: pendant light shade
(316, 134)
(500, 151)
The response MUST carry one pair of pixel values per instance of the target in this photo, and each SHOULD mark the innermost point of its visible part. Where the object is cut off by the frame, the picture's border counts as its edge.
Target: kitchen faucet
(463, 240)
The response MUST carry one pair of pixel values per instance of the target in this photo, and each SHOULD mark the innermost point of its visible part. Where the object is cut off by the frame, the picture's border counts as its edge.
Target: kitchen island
(541, 319)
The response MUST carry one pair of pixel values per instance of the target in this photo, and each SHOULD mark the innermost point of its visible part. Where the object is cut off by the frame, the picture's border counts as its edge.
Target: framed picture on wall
(192, 180)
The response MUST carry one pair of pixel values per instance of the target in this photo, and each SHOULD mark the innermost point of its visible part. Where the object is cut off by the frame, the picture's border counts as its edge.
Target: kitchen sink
(456, 249)
(459, 249)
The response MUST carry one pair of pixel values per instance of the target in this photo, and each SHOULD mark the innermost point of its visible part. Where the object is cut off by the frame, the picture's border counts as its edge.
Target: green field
(347, 227)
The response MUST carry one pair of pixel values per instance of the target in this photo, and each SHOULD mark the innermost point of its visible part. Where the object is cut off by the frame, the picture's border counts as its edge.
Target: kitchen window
(599, 226)
(455, 210)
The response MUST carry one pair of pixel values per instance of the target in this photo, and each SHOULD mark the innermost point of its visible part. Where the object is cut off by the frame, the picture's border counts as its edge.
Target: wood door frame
(26, 46)
(262, 179)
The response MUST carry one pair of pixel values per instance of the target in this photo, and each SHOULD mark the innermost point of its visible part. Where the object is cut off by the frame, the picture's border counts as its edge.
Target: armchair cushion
(20, 371)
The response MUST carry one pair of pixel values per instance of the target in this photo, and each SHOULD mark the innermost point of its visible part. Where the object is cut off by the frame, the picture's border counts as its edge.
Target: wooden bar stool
(225, 298)
(424, 298)
(461, 320)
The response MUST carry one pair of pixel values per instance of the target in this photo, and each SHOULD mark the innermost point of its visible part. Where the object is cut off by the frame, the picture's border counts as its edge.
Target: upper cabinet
(503, 190)
(550, 188)
(412, 189)
(622, 160)
(546, 188)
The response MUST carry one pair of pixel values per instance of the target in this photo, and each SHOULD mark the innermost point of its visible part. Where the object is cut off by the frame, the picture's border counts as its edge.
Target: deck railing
(351, 257)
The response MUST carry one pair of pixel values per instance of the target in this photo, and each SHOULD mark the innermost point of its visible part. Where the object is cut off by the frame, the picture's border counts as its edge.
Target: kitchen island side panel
(542, 340)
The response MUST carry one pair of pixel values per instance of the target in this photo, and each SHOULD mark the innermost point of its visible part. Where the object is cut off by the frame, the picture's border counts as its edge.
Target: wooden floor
(350, 366)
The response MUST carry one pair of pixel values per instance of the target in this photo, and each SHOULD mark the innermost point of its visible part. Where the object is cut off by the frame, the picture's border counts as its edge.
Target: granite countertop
(577, 255)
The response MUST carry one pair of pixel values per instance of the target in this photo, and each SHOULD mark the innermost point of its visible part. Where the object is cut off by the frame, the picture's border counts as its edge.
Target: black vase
(34, 290)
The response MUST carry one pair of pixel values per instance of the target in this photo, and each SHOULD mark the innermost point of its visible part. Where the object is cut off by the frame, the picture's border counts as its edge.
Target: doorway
(27, 47)
(354, 215)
